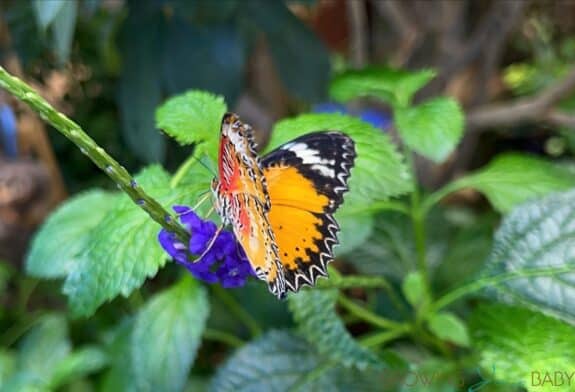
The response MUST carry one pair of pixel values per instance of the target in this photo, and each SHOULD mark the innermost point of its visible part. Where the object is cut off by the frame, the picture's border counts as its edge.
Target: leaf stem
(432, 199)
(392, 205)
(418, 222)
(88, 146)
(482, 283)
(379, 338)
(238, 311)
(366, 314)
(337, 281)
(182, 170)
(223, 337)
(349, 281)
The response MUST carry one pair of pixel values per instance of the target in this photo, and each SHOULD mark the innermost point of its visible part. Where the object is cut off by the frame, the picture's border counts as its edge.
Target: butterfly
(281, 206)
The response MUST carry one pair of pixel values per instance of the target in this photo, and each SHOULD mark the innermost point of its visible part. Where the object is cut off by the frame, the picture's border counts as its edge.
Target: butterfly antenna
(205, 165)
(203, 198)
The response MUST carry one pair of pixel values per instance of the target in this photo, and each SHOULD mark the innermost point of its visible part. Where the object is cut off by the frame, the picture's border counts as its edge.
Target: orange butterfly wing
(306, 179)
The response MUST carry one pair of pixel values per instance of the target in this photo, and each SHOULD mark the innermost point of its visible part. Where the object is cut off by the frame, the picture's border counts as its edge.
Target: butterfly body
(281, 208)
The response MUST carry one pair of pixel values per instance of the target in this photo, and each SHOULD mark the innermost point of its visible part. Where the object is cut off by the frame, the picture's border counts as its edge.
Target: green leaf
(433, 128)
(123, 249)
(448, 326)
(278, 361)
(314, 312)
(166, 336)
(209, 73)
(379, 171)
(54, 250)
(120, 376)
(47, 11)
(539, 235)
(414, 289)
(393, 86)
(77, 365)
(519, 344)
(43, 347)
(139, 90)
(306, 77)
(193, 117)
(511, 179)
(63, 30)
(46, 344)
(355, 230)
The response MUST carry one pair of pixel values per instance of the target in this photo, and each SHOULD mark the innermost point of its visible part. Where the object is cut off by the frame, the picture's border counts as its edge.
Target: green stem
(234, 307)
(337, 281)
(480, 284)
(88, 146)
(182, 170)
(349, 281)
(391, 205)
(384, 337)
(223, 337)
(16, 331)
(367, 315)
(418, 223)
(434, 198)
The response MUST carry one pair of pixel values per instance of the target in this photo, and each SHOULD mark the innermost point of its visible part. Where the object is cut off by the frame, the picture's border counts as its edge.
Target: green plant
(403, 313)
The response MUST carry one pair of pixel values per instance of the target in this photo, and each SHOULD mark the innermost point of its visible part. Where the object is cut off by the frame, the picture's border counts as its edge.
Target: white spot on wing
(309, 156)
(324, 170)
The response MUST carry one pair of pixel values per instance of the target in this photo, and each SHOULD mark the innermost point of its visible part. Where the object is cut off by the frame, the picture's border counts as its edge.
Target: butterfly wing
(306, 179)
(242, 201)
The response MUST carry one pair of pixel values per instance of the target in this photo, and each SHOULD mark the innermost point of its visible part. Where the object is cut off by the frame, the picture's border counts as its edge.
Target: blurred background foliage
(109, 64)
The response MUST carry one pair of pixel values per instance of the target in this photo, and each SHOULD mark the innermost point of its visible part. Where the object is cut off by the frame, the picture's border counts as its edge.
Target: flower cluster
(225, 262)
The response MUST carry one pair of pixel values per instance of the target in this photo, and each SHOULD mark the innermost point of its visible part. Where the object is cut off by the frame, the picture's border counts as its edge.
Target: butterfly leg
(211, 243)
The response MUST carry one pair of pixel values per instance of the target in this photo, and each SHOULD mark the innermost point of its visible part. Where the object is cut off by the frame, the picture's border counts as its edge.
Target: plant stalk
(88, 146)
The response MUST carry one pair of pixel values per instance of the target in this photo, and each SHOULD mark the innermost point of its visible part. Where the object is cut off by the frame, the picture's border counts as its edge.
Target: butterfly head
(237, 133)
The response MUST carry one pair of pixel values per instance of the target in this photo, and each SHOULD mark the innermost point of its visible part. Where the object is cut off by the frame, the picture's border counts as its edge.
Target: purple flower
(225, 262)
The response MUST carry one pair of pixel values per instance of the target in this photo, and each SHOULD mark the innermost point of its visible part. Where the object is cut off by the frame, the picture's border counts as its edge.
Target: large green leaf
(63, 30)
(139, 90)
(45, 345)
(166, 336)
(54, 251)
(355, 230)
(123, 250)
(47, 11)
(538, 236)
(379, 171)
(120, 375)
(433, 128)
(314, 312)
(393, 86)
(519, 346)
(279, 361)
(193, 117)
(200, 66)
(510, 179)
